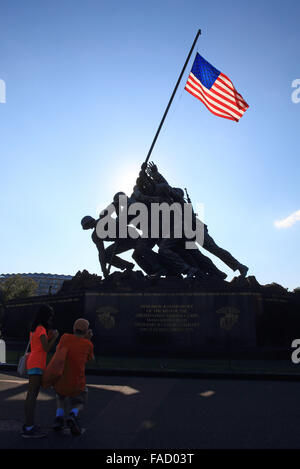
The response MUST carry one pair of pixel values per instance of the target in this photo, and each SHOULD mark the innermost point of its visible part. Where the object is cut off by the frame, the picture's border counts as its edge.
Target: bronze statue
(105, 255)
(208, 242)
(172, 258)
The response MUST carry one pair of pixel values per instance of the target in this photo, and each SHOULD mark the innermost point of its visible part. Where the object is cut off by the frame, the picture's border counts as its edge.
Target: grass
(197, 365)
(180, 364)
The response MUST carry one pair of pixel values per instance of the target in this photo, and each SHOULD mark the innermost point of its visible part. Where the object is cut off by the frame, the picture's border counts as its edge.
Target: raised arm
(47, 344)
(152, 172)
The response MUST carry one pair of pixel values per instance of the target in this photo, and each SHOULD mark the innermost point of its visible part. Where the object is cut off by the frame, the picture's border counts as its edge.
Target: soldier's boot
(243, 270)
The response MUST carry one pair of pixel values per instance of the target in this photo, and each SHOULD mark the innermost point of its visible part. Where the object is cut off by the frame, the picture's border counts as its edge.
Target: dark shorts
(35, 371)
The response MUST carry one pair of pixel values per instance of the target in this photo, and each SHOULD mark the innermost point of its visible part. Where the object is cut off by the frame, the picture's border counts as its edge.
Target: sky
(84, 87)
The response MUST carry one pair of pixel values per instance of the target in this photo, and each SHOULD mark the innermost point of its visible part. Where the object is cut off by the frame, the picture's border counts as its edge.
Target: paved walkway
(162, 413)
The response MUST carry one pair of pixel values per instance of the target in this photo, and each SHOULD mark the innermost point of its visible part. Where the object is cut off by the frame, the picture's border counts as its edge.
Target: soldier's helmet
(179, 191)
(117, 200)
(88, 222)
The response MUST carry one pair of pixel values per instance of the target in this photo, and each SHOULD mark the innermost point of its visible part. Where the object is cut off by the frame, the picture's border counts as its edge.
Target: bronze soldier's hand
(152, 167)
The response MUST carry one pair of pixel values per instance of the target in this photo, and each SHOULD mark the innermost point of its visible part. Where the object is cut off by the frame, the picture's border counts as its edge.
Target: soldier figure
(105, 255)
(172, 257)
(208, 244)
(148, 191)
(147, 260)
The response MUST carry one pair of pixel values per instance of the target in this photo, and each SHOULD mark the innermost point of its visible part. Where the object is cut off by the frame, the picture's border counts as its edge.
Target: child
(40, 344)
(72, 384)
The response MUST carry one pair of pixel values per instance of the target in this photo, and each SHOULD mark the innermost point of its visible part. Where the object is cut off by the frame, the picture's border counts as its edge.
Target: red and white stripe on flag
(222, 99)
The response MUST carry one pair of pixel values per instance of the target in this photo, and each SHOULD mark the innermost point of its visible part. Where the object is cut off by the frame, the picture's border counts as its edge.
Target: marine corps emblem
(105, 316)
(229, 318)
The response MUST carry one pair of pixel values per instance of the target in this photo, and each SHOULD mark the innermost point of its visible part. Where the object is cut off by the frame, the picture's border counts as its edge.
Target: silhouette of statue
(172, 257)
(208, 244)
(147, 261)
(149, 191)
(105, 255)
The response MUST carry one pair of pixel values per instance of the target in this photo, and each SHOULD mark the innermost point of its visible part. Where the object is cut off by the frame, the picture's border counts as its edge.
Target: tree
(1, 311)
(17, 286)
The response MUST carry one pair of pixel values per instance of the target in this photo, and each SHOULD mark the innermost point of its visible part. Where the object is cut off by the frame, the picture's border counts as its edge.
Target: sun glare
(124, 179)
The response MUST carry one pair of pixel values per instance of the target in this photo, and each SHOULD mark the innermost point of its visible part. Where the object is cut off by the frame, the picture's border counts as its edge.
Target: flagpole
(172, 97)
(161, 124)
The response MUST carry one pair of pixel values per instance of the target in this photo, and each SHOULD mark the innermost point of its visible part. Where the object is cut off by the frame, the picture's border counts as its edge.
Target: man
(71, 386)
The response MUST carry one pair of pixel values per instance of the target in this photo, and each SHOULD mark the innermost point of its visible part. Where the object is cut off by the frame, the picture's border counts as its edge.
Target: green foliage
(17, 286)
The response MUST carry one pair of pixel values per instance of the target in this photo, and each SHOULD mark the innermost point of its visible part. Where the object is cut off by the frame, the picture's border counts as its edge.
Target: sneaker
(34, 432)
(73, 424)
(59, 424)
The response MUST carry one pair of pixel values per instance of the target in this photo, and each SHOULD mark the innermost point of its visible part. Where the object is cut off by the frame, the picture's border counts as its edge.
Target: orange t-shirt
(80, 350)
(37, 357)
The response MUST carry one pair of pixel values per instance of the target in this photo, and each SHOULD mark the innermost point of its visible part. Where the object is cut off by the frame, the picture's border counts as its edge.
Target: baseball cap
(81, 325)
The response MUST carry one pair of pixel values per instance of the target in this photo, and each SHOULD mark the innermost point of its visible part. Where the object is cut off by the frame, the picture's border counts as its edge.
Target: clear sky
(87, 83)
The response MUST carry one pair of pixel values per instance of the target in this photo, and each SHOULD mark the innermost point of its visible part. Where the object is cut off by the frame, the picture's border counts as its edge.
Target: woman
(42, 339)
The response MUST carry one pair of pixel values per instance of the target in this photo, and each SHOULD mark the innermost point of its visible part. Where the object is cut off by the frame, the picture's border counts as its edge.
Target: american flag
(215, 90)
